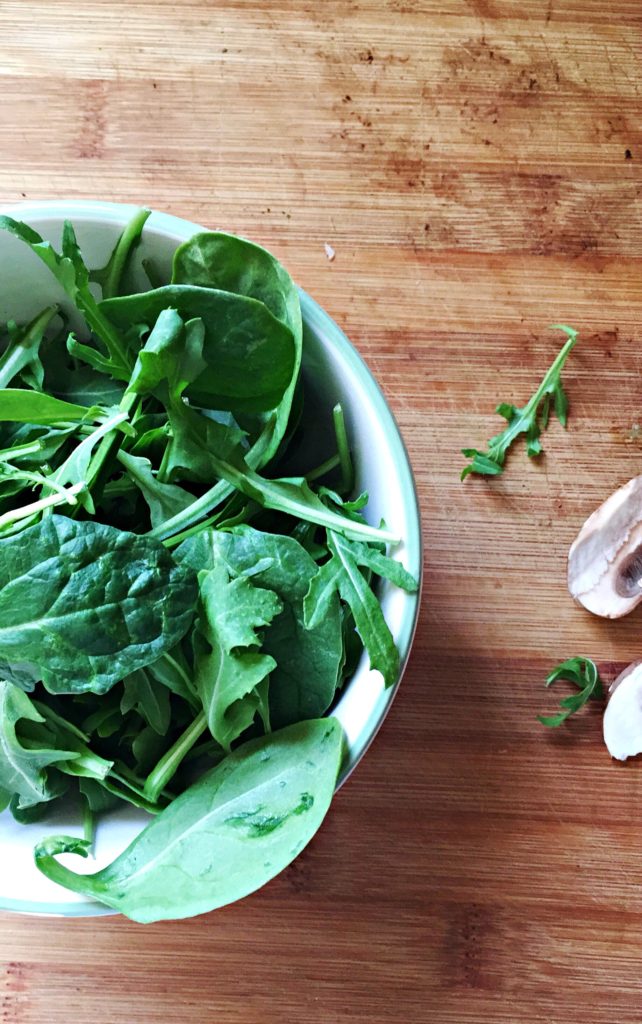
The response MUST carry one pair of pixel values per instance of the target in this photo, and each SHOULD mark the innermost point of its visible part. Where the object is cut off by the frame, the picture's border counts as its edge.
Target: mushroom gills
(628, 582)
(605, 560)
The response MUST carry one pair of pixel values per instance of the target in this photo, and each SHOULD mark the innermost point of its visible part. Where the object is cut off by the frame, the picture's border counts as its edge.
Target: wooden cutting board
(477, 167)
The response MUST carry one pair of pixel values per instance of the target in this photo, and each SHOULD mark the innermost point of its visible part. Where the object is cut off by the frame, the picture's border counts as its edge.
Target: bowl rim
(178, 229)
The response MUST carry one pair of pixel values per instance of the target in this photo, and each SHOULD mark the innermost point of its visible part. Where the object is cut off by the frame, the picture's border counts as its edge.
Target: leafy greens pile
(176, 616)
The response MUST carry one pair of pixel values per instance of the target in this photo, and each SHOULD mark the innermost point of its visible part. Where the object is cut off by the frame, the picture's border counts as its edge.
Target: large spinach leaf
(227, 835)
(214, 259)
(218, 260)
(239, 332)
(83, 604)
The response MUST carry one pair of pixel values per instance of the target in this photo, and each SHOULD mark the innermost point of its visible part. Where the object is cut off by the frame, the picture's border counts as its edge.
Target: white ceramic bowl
(337, 373)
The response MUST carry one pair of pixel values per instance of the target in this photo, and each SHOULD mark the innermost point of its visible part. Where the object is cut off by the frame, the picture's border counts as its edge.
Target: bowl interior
(333, 371)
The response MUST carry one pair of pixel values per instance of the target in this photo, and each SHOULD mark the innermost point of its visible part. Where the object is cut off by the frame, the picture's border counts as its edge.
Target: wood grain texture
(477, 166)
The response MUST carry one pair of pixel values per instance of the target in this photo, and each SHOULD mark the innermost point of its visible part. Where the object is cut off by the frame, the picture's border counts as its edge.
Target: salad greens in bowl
(210, 559)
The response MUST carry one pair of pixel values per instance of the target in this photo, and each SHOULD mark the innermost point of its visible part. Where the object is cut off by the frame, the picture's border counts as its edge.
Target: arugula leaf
(16, 519)
(584, 674)
(75, 468)
(23, 351)
(97, 797)
(231, 675)
(18, 405)
(111, 275)
(227, 835)
(23, 768)
(172, 355)
(164, 500)
(70, 271)
(195, 443)
(531, 420)
(308, 659)
(213, 445)
(58, 732)
(83, 604)
(341, 574)
(173, 672)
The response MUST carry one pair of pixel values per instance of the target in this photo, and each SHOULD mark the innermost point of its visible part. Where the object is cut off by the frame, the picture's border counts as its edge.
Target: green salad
(181, 600)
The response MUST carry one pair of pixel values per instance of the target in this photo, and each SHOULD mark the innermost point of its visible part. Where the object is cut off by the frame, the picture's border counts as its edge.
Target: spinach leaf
(214, 259)
(341, 573)
(231, 674)
(222, 261)
(239, 332)
(228, 834)
(308, 660)
(83, 604)
(23, 769)
(35, 812)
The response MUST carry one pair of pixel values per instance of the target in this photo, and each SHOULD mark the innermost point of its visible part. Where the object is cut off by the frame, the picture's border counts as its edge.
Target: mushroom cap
(622, 722)
(605, 560)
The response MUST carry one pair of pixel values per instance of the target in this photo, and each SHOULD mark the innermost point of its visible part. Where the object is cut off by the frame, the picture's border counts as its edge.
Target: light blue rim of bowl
(316, 318)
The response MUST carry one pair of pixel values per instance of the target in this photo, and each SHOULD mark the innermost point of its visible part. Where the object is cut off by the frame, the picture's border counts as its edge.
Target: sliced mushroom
(605, 560)
(622, 723)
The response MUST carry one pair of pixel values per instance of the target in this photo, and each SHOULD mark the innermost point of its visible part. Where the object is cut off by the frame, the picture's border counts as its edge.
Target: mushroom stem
(622, 723)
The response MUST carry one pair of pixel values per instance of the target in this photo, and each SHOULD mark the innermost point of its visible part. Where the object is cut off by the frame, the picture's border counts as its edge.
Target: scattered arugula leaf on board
(530, 420)
(583, 673)
(156, 649)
